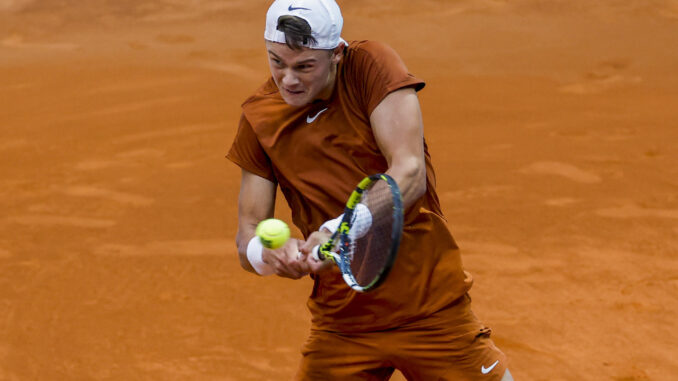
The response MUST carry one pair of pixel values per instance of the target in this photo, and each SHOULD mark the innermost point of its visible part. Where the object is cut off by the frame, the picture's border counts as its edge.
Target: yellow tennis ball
(273, 233)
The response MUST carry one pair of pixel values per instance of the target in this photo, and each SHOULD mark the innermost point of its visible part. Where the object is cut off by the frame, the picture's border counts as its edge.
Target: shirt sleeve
(379, 70)
(247, 153)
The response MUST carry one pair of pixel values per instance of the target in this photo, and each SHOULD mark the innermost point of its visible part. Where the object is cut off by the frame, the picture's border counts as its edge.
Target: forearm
(245, 234)
(256, 203)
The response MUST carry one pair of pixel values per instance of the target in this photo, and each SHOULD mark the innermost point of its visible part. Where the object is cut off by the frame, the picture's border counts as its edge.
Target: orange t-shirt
(317, 154)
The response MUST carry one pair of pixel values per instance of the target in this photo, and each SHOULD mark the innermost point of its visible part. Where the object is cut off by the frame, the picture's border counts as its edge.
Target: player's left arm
(399, 131)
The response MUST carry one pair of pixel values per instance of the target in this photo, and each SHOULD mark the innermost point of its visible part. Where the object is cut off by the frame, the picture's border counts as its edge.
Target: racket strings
(371, 233)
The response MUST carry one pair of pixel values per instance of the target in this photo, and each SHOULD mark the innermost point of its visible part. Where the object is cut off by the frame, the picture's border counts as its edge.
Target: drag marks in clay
(208, 247)
(168, 133)
(46, 220)
(632, 210)
(567, 171)
(605, 76)
(102, 193)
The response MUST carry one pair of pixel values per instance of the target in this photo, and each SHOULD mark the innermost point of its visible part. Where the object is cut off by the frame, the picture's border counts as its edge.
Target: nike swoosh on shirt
(291, 8)
(484, 370)
(311, 119)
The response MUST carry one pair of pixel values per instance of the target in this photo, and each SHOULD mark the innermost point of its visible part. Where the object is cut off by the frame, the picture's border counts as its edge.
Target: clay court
(553, 127)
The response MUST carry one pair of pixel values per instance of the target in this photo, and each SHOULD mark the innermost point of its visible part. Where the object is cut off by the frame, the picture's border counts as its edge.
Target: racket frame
(340, 240)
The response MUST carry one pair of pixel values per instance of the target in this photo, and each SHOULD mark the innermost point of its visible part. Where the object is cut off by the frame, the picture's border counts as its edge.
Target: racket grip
(316, 254)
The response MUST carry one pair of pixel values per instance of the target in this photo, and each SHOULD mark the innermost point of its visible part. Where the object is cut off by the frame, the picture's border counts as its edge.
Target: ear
(338, 53)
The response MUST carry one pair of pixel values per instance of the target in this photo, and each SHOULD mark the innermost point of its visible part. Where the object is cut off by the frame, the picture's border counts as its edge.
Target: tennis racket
(365, 244)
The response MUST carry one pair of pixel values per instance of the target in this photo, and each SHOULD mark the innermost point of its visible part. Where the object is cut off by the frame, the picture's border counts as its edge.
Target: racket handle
(315, 253)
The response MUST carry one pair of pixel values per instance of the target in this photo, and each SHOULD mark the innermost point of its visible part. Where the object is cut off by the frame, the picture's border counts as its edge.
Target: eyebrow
(308, 60)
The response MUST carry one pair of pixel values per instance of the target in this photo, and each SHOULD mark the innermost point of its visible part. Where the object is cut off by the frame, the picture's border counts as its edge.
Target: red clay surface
(552, 125)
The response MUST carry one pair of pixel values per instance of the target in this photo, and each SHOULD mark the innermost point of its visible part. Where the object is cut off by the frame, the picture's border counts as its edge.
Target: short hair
(297, 32)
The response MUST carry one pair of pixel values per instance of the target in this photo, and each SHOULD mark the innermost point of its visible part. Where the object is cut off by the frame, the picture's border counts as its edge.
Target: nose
(289, 80)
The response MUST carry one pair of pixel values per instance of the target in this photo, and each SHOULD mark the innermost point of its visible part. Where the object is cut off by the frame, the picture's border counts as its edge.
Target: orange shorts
(451, 344)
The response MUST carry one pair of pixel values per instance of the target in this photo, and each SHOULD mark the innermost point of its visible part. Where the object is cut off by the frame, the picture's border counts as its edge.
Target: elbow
(420, 182)
(410, 174)
(415, 175)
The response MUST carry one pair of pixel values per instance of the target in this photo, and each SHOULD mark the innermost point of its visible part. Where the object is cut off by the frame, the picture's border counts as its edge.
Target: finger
(295, 259)
(293, 251)
(290, 270)
(317, 267)
(305, 249)
(305, 267)
(281, 264)
(291, 254)
(285, 274)
(313, 258)
(311, 261)
(316, 238)
(269, 257)
(295, 267)
(301, 256)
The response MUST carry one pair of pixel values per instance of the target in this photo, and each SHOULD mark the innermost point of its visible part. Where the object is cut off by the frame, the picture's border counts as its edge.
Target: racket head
(369, 235)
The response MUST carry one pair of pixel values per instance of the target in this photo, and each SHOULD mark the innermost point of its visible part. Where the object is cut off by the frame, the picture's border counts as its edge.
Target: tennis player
(332, 113)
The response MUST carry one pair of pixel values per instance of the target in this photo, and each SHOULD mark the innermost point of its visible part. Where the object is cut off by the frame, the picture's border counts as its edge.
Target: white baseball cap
(324, 17)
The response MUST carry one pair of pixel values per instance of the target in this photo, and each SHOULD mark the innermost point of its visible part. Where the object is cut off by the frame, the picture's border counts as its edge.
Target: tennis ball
(273, 233)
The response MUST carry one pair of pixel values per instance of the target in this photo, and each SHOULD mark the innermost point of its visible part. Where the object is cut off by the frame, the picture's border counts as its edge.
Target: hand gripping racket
(366, 242)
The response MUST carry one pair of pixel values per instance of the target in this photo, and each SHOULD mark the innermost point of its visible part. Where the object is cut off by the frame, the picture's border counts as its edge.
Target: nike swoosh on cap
(291, 8)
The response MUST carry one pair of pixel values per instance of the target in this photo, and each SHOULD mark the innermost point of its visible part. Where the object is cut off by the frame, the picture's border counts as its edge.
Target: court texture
(552, 126)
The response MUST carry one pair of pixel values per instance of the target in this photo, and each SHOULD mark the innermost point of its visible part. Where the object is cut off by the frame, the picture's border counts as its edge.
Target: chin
(296, 101)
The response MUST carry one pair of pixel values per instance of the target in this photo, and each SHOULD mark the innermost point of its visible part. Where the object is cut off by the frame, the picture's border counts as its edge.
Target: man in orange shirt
(332, 113)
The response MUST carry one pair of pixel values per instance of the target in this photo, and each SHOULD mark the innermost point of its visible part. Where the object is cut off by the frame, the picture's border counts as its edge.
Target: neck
(329, 89)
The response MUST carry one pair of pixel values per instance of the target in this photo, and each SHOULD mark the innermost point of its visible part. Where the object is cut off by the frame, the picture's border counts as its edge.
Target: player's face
(302, 76)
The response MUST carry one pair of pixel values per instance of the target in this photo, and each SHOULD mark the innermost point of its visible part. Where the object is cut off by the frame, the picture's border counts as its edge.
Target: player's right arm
(256, 202)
